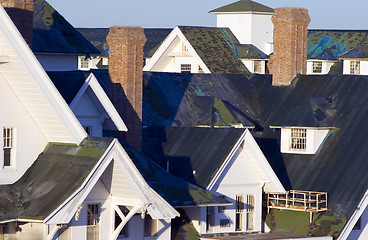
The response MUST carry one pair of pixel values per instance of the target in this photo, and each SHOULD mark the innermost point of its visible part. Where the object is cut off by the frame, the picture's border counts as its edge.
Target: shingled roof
(334, 101)
(51, 179)
(332, 44)
(243, 6)
(194, 153)
(52, 33)
(97, 36)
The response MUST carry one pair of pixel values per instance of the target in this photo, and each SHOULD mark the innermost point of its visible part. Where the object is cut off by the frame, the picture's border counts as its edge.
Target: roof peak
(243, 6)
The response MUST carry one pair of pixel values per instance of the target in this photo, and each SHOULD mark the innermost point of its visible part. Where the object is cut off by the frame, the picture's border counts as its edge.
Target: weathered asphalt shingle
(243, 6)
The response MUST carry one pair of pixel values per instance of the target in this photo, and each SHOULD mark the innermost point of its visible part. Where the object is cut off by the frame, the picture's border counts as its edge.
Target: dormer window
(298, 139)
(8, 144)
(303, 140)
(317, 67)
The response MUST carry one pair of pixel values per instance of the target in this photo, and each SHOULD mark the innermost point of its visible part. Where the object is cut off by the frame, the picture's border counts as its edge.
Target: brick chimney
(290, 45)
(21, 13)
(126, 73)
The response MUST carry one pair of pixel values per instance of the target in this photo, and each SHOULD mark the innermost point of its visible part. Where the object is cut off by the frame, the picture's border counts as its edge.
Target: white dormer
(303, 140)
(249, 21)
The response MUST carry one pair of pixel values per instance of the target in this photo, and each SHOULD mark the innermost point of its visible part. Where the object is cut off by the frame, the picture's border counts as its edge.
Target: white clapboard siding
(28, 140)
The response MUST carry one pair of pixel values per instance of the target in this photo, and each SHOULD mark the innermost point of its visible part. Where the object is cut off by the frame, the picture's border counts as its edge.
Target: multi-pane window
(124, 231)
(92, 214)
(257, 66)
(150, 226)
(8, 144)
(239, 206)
(250, 212)
(298, 140)
(317, 67)
(84, 62)
(354, 67)
(186, 68)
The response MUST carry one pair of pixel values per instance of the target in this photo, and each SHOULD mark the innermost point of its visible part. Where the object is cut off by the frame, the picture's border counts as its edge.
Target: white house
(228, 163)
(249, 21)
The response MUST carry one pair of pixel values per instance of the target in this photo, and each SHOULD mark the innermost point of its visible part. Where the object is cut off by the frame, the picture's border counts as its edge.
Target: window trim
(298, 139)
(354, 67)
(317, 68)
(257, 66)
(12, 147)
(185, 68)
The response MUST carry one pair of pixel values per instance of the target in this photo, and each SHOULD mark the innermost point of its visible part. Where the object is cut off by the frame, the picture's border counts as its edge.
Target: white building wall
(249, 64)
(58, 62)
(314, 137)
(89, 114)
(194, 214)
(326, 66)
(363, 66)
(231, 184)
(29, 141)
(256, 29)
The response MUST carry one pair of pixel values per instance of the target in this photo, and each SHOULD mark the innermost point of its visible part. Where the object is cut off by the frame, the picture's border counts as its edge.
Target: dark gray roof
(52, 33)
(52, 178)
(193, 153)
(176, 191)
(97, 36)
(243, 6)
(68, 83)
(336, 101)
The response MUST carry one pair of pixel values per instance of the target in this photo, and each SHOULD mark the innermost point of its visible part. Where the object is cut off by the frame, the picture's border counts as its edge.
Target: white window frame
(9, 142)
(316, 67)
(239, 212)
(298, 139)
(251, 201)
(185, 68)
(354, 67)
(84, 63)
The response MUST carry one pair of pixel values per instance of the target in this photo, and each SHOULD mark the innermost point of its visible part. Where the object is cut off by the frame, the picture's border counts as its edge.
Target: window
(239, 206)
(200, 70)
(298, 140)
(150, 226)
(92, 214)
(84, 62)
(250, 212)
(317, 67)
(257, 66)
(88, 129)
(186, 68)
(354, 67)
(8, 144)
(210, 219)
(224, 223)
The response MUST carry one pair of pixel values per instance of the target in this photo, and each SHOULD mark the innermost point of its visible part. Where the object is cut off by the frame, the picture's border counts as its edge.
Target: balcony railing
(306, 201)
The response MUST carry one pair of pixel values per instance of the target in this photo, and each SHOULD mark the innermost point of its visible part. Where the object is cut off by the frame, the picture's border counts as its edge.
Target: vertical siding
(29, 140)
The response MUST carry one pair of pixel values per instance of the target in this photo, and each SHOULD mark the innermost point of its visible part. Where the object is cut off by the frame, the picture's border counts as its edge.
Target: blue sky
(325, 14)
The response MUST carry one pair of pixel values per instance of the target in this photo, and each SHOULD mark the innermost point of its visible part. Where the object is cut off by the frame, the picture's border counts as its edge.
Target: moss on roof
(217, 47)
(52, 178)
(243, 6)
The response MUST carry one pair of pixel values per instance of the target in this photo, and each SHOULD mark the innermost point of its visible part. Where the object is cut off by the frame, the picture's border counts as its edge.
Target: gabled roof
(217, 47)
(33, 88)
(334, 101)
(243, 6)
(97, 36)
(175, 190)
(194, 154)
(72, 85)
(52, 178)
(332, 44)
(249, 51)
(52, 33)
